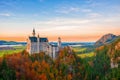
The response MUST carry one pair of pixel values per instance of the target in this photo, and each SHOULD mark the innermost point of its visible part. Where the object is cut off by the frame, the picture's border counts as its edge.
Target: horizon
(56, 39)
(72, 20)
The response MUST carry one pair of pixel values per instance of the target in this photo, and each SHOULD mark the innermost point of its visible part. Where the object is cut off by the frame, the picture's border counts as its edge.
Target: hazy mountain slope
(105, 39)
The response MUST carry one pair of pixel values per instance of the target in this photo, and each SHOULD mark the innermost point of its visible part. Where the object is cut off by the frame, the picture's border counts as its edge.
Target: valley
(76, 61)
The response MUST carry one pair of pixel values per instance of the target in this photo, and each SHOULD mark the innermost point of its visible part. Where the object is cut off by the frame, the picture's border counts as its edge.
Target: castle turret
(33, 32)
(38, 43)
(59, 42)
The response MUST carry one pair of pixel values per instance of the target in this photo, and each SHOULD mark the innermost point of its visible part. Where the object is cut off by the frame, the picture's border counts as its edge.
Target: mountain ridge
(105, 39)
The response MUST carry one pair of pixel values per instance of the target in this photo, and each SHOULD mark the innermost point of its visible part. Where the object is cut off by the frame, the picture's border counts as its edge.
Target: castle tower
(33, 32)
(59, 42)
(38, 44)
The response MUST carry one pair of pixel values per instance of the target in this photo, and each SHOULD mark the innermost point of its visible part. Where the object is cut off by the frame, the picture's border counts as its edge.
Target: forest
(67, 66)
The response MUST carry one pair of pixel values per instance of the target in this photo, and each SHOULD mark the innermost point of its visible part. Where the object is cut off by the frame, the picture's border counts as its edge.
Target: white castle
(41, 44)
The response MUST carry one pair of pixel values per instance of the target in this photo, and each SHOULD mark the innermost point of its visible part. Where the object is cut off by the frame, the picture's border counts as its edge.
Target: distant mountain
(106, 39)
(75, 43)
(2, 42)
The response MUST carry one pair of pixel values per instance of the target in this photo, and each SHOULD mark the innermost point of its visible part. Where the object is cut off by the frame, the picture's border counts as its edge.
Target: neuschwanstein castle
(40, 44)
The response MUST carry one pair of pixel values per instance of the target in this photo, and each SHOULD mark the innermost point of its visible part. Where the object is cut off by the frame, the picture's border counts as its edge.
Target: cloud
(94, 15)
(73, 26)
(78, 25)
(5, 14)
(62, 26)
(86, 10)
(66, 10)
(63, 22)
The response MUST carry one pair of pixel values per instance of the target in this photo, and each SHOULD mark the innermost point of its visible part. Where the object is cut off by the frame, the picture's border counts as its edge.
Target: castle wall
(43, 46)
(37, 47)
(50, 51)
(33, 47)
(55, 51)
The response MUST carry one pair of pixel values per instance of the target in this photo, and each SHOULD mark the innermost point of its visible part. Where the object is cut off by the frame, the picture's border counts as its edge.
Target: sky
(72, 20)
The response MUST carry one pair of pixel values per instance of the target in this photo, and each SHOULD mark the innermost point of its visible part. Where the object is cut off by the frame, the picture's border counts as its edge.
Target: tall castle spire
(59, 42)
(33, 32)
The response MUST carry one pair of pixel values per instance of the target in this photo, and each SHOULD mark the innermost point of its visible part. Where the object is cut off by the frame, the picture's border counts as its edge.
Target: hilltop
(105, 39)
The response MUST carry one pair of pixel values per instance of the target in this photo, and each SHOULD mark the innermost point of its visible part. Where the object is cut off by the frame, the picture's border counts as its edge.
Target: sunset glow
(72, 20)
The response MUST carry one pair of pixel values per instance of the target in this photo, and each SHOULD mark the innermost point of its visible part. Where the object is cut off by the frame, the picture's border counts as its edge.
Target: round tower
(38, 43)
(59, 42)
(33, 32)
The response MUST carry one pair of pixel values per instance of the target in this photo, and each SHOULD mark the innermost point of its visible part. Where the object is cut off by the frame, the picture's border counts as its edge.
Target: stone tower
(33, 32)
(59, 42)
(38, 43)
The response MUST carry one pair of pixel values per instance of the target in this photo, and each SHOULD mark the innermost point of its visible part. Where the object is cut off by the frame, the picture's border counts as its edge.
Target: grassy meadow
(80, 51)
(84, 51)
(91, 54)
(16, 50)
